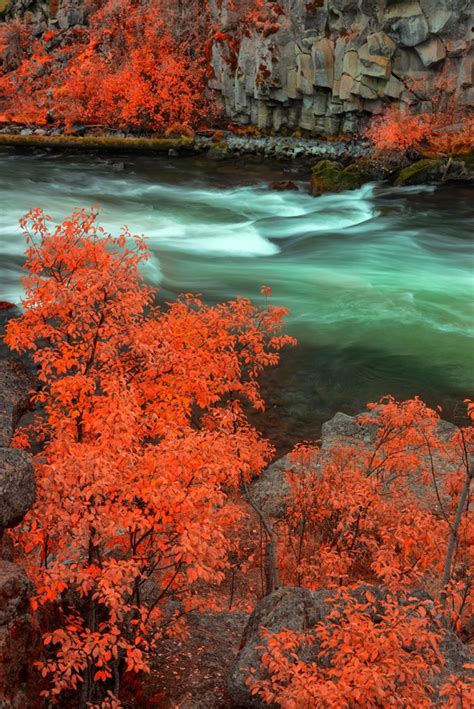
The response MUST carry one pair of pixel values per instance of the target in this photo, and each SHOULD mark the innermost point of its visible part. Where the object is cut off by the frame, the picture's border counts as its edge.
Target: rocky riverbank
(219, 143)
(332, 166)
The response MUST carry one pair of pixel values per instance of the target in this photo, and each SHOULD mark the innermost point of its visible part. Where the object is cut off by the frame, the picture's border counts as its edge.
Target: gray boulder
(17, 486)
(16, 383)
(406, 24)
(17, 481)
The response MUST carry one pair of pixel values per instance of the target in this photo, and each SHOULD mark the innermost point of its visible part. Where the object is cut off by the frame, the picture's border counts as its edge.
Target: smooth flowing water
(379, 281)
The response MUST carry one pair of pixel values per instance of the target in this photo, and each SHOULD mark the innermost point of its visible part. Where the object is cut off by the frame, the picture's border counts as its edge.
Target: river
(379, 281)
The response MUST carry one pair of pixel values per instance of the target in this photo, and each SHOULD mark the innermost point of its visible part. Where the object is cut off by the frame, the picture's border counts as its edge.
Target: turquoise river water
(379, 281)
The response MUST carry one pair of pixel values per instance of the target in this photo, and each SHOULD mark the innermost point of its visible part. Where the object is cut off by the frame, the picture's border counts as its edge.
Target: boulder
(17, 481)
(418, 173)
(17, 635)
(344, 430)
(197, 664)
(283, 186)
(300, 609)
(16, 383)
(17, 486)
(271, 489)
(288, 607)
(431, 52)
(405, 23)
(331, 176)
(17, 495)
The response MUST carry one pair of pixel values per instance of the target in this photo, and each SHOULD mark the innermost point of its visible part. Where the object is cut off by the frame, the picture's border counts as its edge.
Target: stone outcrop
(327, 66)
(300, 609)
(17, 494)
(17, 484)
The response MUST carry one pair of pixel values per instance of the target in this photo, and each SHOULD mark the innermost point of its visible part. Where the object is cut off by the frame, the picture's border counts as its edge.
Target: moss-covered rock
(418, 172)
(331, 176)
(219, 150)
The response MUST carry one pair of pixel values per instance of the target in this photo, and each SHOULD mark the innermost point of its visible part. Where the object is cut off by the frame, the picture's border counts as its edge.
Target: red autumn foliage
(446, 130)
(144, 444)
(381, 512)
(134, 65)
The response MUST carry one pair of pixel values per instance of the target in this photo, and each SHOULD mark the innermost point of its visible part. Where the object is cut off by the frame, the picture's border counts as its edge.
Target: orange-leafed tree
(394, 510)
(370, 652)
(142, 445)
(391, 510)
(143, 66)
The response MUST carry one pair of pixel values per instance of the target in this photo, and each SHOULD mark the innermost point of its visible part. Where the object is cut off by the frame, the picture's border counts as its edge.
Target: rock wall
(17, 494)
(326, 66)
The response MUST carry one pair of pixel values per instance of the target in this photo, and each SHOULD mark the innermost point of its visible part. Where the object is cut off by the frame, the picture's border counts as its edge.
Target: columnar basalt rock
(331, 64)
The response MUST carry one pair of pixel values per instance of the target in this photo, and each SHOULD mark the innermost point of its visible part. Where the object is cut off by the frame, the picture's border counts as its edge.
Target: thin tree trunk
(272, 578)
(453, 536)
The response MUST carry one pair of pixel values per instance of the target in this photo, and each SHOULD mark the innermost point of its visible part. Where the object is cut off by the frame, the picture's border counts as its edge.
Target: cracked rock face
(326, 66)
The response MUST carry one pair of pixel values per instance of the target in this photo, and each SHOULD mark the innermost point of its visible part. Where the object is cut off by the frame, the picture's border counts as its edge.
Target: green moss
(418, 172)
(331, 176)
(159, 145)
